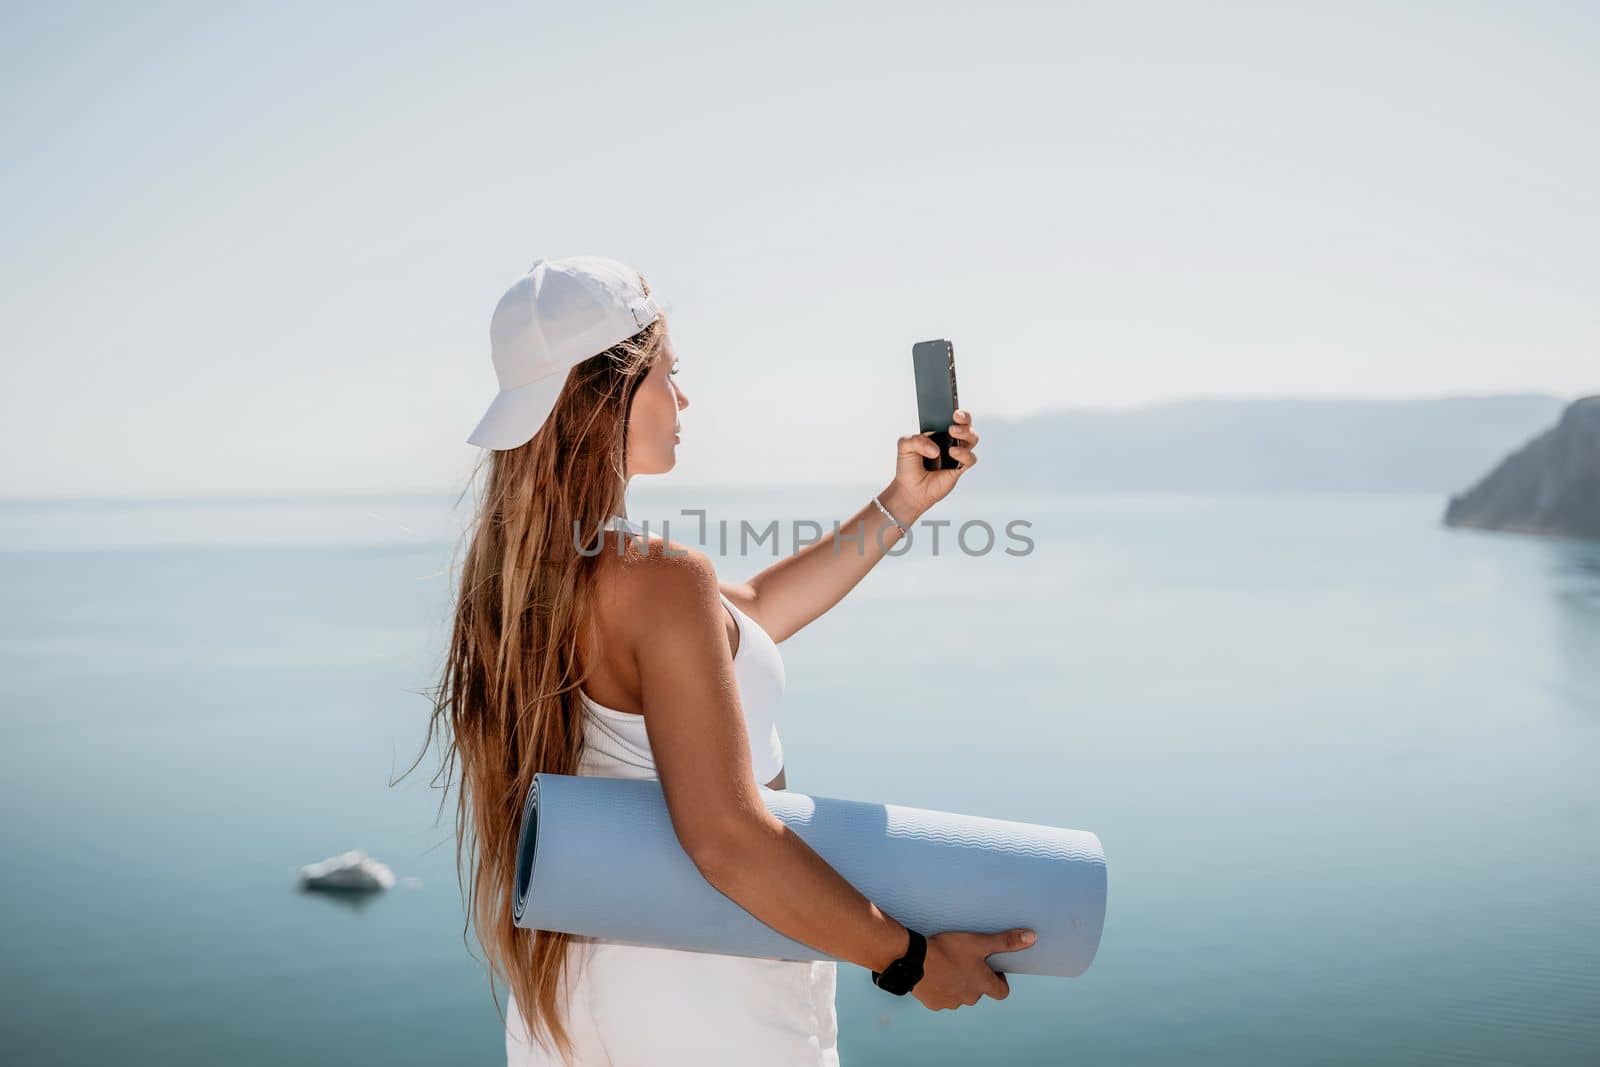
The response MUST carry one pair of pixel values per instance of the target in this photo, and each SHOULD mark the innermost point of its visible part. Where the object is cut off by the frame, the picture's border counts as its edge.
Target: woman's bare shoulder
(645, 584)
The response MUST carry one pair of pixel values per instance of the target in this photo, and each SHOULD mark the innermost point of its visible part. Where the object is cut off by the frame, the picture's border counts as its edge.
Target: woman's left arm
(800, 587)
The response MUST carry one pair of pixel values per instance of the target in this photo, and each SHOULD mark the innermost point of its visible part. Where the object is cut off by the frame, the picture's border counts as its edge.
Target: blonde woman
(636, 661)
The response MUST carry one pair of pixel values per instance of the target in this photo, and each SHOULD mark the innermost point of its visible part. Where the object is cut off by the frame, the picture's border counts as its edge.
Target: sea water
(1343, 762)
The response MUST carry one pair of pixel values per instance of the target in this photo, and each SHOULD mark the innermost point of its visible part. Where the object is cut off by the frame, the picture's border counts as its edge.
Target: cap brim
(515, 415)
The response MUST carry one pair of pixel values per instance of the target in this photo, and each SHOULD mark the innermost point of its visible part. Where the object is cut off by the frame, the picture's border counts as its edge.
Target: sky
(256, 249)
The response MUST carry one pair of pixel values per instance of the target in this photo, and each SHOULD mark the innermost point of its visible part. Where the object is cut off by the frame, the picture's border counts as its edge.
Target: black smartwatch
(905, 972)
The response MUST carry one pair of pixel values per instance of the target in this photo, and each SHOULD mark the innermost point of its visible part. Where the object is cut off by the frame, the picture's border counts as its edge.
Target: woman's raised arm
(799, 588)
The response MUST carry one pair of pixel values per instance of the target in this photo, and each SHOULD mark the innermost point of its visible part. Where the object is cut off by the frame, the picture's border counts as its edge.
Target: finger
(999, 989)
(967, 456)
(964, 433)
(1012, 940)
(962, 415)
(921, 444)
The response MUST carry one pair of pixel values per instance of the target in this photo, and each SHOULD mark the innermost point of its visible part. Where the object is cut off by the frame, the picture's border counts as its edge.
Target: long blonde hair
(506, 704)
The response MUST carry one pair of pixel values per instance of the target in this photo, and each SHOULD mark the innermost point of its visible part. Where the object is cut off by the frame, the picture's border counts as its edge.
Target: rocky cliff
(1551, 485)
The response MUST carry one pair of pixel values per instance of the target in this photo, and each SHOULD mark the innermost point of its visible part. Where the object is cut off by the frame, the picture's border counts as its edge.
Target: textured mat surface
(599, 857)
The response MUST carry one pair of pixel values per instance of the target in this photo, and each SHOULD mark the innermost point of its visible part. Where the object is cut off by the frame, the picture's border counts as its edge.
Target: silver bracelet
(888, 516)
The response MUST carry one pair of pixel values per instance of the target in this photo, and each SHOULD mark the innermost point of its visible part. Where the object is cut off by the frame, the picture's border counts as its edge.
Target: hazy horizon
(671, 483)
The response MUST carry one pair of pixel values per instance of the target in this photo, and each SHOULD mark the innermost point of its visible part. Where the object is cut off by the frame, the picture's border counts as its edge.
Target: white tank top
(615, 744)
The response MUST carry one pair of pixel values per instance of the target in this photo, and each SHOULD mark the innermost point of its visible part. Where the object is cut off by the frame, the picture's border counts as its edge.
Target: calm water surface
(1342, 760)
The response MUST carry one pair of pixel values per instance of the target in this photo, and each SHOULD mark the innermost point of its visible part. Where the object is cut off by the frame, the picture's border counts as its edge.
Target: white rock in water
(353, 871)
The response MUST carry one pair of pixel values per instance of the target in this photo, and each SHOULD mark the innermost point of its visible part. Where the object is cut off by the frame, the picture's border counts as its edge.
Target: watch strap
(900, 976)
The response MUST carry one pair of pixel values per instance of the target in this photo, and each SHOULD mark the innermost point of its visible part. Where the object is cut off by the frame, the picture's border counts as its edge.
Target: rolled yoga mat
(599, 857)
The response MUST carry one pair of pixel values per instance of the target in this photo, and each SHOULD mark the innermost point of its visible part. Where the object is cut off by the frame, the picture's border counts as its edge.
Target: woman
(635, 661)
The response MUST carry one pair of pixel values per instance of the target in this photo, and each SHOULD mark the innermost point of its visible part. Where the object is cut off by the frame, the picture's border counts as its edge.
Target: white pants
(631, 1005)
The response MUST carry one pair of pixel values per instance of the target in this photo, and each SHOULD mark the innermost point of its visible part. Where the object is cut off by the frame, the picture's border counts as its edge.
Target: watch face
(899, 979)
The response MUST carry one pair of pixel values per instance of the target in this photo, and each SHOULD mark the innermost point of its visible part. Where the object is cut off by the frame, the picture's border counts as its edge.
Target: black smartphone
(935, 366)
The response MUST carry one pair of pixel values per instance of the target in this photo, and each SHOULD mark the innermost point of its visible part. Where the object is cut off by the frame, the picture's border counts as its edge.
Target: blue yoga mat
(599, 857)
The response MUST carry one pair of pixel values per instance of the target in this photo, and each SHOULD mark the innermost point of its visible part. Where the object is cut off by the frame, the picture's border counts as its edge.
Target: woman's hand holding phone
(918, 489)
(931, 461)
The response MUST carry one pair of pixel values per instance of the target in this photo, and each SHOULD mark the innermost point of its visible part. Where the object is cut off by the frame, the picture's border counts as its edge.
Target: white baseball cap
(552, 318)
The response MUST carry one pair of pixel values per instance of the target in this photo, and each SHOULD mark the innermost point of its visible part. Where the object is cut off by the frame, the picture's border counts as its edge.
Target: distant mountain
(1264, 445)
(1551, 485)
